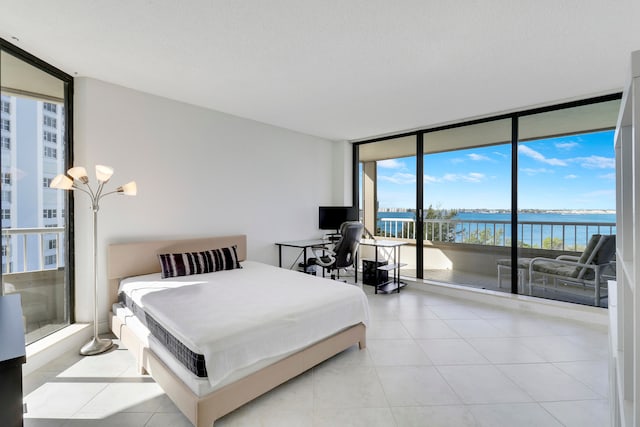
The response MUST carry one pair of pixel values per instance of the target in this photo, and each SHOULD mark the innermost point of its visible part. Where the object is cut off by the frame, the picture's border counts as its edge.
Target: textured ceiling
(340, 69)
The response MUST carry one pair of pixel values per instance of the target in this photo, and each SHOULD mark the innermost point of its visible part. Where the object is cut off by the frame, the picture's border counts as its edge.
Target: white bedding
(239, 318)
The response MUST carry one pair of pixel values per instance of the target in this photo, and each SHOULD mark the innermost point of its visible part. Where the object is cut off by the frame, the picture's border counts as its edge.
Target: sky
(571, 172)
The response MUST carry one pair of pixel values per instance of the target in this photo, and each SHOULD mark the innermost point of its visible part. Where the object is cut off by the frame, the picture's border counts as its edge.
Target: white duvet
(238, 318)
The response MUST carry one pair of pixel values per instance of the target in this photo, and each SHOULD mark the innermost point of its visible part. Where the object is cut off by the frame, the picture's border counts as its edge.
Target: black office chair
(343, 254)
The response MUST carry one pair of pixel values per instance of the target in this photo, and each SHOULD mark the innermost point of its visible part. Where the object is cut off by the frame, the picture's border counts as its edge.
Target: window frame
(67, 140)
(422, 132)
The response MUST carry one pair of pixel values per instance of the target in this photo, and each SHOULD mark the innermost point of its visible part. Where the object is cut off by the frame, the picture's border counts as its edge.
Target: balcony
(466, 251)
(44, 294)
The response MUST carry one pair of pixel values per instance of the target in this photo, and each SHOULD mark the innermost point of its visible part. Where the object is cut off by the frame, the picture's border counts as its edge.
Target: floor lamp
(76, 179)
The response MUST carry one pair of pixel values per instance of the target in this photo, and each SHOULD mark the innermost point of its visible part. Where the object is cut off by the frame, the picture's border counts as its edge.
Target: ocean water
(534, 227)
(589, 217)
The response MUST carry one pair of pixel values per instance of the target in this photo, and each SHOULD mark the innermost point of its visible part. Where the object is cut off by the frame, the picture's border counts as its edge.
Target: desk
(301, 244)
(393, 284)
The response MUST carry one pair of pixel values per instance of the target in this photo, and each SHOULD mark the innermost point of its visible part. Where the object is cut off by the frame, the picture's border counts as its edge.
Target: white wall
(342, 175)
(199, 173)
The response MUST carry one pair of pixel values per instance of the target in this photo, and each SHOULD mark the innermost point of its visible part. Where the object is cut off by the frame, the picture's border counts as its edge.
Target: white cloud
(611, 176)
(477, 157)
(430, 179)
(455, 177)
(474, 177)
(391, 164)
(456, 160)
(571, 176)
(399, 178)
(526, 151)
(566, 145)
(532, 171)
(497, 153)
(596, 162)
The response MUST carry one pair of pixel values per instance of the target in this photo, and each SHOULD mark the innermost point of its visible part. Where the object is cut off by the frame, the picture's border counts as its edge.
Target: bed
(205, 398)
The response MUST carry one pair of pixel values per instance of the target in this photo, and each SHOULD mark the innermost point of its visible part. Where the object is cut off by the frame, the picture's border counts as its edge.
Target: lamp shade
(61, 182)
(129, 189)
(103, 173)
(79, 173)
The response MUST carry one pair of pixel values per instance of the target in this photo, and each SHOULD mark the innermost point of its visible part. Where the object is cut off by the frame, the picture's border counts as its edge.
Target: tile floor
(431, 360)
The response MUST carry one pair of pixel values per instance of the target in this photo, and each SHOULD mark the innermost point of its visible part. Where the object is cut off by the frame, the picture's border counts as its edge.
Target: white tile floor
(431, 360)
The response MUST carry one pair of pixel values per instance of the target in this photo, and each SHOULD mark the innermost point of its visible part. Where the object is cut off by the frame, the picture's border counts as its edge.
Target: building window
(50, 121)
(50, 136)
(5, 214)
(6, 143)
(49, 259)
(6, 125)
(54, 225)
(49, 213)
(6, 195)
(50, 152)
(50, 107)
(52, 244)
(5, 250)
(5, 107)
(6, 178)
(46, 182)
(6, 266)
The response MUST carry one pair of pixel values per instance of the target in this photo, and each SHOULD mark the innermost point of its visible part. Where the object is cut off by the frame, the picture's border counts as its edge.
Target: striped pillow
(188, 263)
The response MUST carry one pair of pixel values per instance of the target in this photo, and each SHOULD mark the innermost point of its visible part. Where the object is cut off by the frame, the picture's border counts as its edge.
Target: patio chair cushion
(557, 269)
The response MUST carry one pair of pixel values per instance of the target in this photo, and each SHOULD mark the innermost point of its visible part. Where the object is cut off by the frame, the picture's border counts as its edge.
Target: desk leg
(396, 253)
(280, 256)
(375, 248)
(304, 259)
(356, 266)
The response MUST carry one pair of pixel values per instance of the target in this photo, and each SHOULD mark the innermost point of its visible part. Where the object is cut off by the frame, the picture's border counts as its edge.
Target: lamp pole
(97, 345)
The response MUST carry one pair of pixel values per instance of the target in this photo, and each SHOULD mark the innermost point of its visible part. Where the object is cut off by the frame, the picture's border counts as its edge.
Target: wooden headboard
(137, 258)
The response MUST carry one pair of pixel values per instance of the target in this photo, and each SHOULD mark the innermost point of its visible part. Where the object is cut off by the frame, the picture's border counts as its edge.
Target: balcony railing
(30, 242)
(563, 236)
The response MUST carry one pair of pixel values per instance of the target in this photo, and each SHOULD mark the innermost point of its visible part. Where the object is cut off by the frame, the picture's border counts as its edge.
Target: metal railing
(17, 239)
(563, 236)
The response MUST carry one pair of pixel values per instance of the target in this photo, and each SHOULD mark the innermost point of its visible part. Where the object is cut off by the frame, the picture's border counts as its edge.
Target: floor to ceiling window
(388, 187)
(554, 165)
(35, 114)
(566, 199)
(467, 201)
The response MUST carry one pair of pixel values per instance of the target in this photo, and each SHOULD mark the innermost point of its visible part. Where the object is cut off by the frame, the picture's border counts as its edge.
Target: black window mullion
(514, 205)
(419, 205)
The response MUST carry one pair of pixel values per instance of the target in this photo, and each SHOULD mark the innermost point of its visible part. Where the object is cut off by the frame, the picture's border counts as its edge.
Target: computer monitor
(332, 217)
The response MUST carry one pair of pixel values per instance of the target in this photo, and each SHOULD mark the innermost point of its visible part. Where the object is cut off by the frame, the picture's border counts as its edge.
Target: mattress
(240, 320)
(191, 360)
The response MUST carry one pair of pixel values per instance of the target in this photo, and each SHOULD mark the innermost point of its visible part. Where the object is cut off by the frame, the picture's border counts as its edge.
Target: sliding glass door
(467, 201)
(566, 181)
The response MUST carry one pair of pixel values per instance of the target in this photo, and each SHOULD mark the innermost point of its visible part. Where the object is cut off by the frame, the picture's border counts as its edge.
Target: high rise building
(32, 155)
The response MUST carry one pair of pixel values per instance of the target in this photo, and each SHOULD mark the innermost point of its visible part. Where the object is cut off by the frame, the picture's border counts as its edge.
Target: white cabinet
(624, 297)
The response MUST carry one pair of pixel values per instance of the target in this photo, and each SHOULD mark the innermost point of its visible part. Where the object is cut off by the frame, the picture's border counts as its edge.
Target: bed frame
(132, 259)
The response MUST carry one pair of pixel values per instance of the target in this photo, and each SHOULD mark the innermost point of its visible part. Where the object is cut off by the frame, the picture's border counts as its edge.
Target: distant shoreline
(508, 211)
